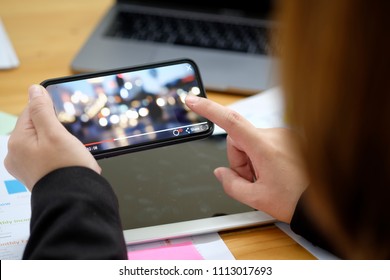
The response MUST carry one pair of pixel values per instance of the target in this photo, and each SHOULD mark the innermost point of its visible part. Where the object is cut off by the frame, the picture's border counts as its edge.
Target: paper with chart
(15, 211)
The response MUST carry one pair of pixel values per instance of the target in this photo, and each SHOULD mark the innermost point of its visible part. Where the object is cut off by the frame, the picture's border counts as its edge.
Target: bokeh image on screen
(129, 108)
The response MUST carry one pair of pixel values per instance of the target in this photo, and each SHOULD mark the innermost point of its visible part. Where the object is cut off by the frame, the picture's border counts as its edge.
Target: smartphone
(130, 109)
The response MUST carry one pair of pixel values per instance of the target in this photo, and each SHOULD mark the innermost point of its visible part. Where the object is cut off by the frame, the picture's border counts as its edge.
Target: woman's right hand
(266, 172)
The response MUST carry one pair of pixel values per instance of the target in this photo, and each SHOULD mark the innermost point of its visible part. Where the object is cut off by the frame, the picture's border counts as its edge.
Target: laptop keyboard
(190, 32)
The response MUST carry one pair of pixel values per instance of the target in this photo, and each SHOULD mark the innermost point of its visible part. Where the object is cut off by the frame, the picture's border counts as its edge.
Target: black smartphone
(130, 109)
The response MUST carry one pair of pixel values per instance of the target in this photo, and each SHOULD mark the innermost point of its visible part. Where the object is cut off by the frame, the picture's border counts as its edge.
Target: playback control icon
(191, 129)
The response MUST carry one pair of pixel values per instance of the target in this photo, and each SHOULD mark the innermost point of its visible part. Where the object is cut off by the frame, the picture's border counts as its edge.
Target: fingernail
(35, 91)
(217, 174)
(192, 98)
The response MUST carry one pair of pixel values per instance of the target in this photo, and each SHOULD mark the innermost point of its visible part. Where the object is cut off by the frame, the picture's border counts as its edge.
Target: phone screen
(124, 110)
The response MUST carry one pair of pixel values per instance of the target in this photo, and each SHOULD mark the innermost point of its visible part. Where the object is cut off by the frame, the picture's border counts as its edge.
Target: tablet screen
(173, 184)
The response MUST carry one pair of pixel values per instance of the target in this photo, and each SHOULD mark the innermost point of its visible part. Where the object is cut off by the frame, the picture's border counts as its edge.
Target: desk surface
(46, 35)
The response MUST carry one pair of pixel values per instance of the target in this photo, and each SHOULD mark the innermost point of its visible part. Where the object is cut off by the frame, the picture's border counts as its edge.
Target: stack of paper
(8, 58)
(263, 110)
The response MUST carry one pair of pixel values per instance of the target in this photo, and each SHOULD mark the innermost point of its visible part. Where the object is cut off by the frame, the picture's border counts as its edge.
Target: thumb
(234, 185)
(41, 110)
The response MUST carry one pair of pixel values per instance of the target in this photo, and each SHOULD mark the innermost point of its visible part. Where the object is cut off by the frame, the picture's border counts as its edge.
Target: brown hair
(335, 68)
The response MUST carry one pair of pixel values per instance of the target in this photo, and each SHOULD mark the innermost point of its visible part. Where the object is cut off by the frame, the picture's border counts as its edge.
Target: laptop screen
(258, 9)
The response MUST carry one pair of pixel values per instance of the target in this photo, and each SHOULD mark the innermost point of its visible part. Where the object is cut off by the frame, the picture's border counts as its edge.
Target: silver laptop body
(245, 70)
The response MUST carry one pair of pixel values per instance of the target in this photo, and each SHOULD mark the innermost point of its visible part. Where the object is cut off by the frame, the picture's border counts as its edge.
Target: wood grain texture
(265, 242)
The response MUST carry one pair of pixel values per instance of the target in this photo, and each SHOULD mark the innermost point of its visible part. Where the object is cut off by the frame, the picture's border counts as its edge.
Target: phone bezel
(146, 145)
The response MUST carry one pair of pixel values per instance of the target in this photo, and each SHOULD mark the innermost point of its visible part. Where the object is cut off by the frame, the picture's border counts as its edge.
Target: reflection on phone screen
(130, 108)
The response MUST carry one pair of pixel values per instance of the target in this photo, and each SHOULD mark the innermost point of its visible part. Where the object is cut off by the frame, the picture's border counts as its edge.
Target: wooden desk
(46, 35)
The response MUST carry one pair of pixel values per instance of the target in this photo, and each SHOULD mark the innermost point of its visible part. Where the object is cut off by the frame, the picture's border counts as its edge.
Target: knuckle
(37, 106)
(233, 118)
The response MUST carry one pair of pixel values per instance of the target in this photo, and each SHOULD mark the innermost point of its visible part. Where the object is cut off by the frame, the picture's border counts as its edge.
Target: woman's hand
(40, 144)
(266, 171)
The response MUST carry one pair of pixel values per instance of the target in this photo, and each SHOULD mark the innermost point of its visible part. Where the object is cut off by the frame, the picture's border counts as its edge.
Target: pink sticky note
(181, 251)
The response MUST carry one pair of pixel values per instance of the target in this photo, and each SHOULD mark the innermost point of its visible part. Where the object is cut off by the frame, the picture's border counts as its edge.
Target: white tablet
(172, 192)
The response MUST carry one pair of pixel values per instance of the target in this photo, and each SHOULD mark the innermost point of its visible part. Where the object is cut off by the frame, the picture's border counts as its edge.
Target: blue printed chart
(15, 211)
(14, 186)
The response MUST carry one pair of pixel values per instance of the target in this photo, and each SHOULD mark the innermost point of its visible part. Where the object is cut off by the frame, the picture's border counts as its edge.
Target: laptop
(228, 41)
(171, 192)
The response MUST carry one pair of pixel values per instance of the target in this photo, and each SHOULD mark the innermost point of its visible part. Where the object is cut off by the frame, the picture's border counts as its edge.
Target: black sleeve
(74, 215)
(302, 224)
